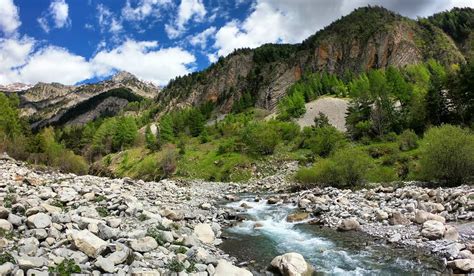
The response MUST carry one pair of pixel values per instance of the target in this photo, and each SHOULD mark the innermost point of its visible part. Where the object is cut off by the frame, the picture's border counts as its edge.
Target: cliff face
(368, 38)
(54, 103)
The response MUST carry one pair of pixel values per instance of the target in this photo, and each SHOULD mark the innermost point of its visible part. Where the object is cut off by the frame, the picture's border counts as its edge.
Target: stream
(265, 233)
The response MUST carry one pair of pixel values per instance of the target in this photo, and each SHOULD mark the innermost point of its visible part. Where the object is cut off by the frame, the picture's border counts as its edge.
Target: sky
(79, 41)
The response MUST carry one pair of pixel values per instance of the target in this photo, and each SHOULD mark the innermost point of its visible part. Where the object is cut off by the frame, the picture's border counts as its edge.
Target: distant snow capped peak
(15, 87)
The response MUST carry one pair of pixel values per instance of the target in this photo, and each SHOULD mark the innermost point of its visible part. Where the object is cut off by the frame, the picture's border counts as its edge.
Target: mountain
(15, 87)
(57, 104)
(369, 37)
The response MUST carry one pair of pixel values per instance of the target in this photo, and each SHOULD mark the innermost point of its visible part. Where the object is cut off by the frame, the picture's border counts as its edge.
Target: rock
(231, 197)
(15, 220)
(6, 268)
(349, 224)
(451, 233)
(398, 218)
(88, 243)
(5, 225)
(292, 264)
(298, 216)
(422, 216)
(172, 215)
(206, 206)
(105, 264)
(4, 212)
(34, 272)
(114, 222)
(433, 229)
(26, 262)
(51, 209)
(224, 268)
(304, 203)
(145, 244)
(106, 232)
(146, 273)
(67, 194)
(39, 220)
(381, 215)
(120, 255)
(204, 233)
(273, 200)
(395, 238)
(463, 265)
(29, 246)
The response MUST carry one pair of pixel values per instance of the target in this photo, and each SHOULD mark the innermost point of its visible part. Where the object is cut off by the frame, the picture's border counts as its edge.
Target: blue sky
(75, 41)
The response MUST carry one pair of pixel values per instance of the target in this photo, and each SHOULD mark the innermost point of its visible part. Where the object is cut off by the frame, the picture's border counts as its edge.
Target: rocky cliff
(370, 37)
(57, 104)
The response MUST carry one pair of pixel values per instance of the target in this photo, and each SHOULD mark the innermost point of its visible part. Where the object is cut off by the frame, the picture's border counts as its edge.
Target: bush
(408, 140)
(381, 174)
(447, 154)
(169, 163)
(65, 268)
(260, 138)
(323, 140)
(346, 169)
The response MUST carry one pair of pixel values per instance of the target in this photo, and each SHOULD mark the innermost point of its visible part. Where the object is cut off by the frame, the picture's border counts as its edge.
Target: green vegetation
(6, 258)
(65, 268)
(175, 265)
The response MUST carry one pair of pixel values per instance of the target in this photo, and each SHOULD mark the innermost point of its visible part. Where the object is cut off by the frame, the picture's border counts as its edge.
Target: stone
(88, 243)
(395, 238)
(25, 262)
(463, 265)
(67, 194)
(5, 225)
(172, 215)
(422, 216)
(145, 244)
(292, 264)
(15, 220)
(204, 233)
(39, 220)
(381, 215)
(304, 203)
(398, 218)
(349, 224)
(106, 232)
(298, 216)
(206, 206)
(451, 233)
(433, 229)
(273, 200)
(51, 209)
(4, 212)
(105, 264)
(29, 246)
(35, 272)
(6, 268)
(114, 222)
(120, 255)
(225, 268)
(146, 273)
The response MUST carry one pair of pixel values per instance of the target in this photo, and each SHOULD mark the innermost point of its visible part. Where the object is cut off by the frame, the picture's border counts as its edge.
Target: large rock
(422, 216)
(6, 225)
(298, 216)
(224, 268)
(88, 243)
(4, 212)
(292, 264)
(433, 229)
(398, 218)
(6, 268)
(144, 244)
(349, 224)
(26, 262)
(462, 265)
(451, 233)
(204, 233)
(39, 220)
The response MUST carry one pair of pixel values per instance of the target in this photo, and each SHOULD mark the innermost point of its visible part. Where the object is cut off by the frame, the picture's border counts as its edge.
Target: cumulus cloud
(145, 60)
(9, 18)
(188, 10)
(108, 22)
(143, 9)
(201, 38)
(19, 62)
(57, 15)
(281, 21)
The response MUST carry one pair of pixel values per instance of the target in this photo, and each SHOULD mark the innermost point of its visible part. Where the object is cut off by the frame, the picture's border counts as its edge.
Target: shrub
(346, 169)
(103, 211)
(168, 163)
(65, 268)
(408, 140)
(175, 265)
(447, 154)
(323, 140)
(6, 258)
(381, 174)
(260, 138)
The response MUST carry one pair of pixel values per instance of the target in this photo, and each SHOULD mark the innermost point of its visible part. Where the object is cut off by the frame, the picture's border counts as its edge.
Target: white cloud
(143, 9)
(188, 10)
(202, 38)
(108, 22)
(58, 14)
(9, 18)
(145, 60)
(13, 54)
(281, 21)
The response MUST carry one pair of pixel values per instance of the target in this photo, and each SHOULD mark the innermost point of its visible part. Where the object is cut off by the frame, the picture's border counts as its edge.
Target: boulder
(433, 229)
(462, 265)
(349, 224)
(206, 206)
(298, 216)
(6, 268)
(39, 220)
(224, 268)
(381, 215)
(25, 262)
(4, 212)
(451, 233)
(204, 233)
(145, 244)
(6, 225)
(398, 218)
(422, 216)
(273, 200)
(292, 264)
(88, 243)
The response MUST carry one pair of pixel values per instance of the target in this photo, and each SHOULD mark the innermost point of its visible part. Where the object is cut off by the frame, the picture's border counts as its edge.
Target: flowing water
(265, 233)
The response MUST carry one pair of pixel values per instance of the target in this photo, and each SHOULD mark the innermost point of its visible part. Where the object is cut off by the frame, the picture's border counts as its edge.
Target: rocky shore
(51, 221)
